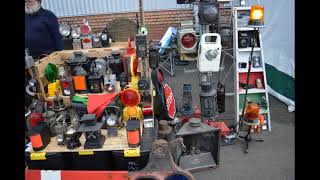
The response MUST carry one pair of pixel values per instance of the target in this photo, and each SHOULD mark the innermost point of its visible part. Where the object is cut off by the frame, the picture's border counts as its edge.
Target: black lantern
(154, 58)
(92, 130)
(187, 109)
(208, 100)
(112, 120)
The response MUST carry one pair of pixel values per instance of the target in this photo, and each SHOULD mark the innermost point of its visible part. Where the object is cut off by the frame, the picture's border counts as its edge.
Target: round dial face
(211, 54)
(67, 92)
(111, 122)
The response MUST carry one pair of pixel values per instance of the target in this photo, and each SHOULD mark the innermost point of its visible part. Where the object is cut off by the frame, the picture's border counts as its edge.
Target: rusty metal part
(121, 29)
(161, 164)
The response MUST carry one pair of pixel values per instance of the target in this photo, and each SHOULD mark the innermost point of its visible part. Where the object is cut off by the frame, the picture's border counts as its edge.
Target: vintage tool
(208, 100)
(198, 155)
(96, 41)
(112, 120)
(92, 130)
(209, 53)
(67, 86)
(131, 98)
(161, 163)
(133, 132)
(60, 128)
(39, 136)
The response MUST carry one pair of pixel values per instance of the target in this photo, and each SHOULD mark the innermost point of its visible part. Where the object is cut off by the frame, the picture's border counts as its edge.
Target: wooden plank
(119, 142)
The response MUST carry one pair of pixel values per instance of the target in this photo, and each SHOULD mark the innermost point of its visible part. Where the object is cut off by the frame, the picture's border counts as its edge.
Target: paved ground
(271, 159)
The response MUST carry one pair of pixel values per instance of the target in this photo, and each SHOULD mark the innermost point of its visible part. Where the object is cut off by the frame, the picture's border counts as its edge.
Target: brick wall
(157, 21)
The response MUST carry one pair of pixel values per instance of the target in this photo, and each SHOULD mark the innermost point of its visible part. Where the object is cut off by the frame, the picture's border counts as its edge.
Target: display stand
(242, 49)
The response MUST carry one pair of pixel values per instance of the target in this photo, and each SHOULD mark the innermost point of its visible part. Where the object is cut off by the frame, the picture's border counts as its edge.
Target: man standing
(42, 34)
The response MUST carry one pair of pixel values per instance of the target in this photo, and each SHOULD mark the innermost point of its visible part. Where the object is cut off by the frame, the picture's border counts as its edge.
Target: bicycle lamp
(131, 98)
(65, 30)
(256, 16)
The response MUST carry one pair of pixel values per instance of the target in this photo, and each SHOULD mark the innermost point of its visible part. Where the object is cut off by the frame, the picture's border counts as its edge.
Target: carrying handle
(217, 41)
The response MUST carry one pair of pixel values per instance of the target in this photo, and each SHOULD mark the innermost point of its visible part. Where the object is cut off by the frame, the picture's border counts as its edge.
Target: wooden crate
(60, 58)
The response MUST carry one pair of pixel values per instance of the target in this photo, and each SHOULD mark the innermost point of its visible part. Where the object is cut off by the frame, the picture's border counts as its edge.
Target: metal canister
(208, 100)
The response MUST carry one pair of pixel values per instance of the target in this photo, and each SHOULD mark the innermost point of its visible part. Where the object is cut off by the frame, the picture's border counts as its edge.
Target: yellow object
(257, 13)
(86, 152)
(38, 156)
(134, 82)
(54, 87)
(132, 152)
(134, 111)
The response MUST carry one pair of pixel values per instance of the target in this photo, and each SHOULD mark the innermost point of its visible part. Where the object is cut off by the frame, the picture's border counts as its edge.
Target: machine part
(195, 135)
(186, 109)
(96, 41)
(120, 29)
(39, 136)
(133, 132)
(92, 130)
(65, 30)
(76, 44)
(165, 131)
(161, 163)
(208, 100)
(28, 60)
(86, 42)
(209, 53)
